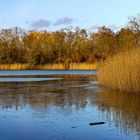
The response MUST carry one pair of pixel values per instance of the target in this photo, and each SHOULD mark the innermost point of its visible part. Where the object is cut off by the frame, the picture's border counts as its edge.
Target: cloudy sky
(56, 14)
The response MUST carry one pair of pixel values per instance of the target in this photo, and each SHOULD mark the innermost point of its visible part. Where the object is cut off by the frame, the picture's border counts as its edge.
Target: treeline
(67, 45)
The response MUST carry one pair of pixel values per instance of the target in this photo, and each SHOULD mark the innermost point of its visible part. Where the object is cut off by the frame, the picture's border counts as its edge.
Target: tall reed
(121, 72)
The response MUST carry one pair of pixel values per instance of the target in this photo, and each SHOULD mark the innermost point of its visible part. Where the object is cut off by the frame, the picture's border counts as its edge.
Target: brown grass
(73, 66)
(121, 72)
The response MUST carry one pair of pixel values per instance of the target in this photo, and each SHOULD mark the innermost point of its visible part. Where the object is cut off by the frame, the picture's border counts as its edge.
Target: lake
(64, 105)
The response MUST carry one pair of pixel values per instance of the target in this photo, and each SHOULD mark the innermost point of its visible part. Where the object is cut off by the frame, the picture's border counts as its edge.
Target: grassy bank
(72, 66)
(122, 72)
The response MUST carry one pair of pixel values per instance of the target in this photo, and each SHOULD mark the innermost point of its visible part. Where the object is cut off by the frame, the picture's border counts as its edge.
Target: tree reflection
(63, 94)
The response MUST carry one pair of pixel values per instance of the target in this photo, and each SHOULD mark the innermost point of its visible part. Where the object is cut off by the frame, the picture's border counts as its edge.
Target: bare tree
(134, 23)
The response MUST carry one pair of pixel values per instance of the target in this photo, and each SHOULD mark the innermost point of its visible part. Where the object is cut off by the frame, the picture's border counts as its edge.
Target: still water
(60, 105)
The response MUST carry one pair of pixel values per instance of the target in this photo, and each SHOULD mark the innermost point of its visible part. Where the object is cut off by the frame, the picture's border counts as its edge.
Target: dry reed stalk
(121, 72)
(73, 66)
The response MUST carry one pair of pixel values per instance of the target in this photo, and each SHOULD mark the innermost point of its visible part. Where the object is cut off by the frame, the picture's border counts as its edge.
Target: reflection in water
(26, 79)
(60, 94)
(50, 109)
(121, 108)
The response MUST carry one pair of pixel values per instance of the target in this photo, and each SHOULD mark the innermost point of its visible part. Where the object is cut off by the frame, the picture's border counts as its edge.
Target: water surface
(44, 72)
(63, 108)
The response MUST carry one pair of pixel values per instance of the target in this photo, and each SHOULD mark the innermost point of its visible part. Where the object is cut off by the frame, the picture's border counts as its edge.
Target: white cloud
(40, 23)
(64, 21)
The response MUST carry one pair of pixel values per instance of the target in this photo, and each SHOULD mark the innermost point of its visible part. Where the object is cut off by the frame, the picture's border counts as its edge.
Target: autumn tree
(67, 45)
(104, 42)
(126, 38)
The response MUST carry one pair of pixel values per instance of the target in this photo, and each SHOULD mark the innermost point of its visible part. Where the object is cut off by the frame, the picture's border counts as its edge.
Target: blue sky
(56, 14)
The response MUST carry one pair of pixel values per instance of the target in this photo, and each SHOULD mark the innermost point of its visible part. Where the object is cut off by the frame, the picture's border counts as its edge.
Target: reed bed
(14, 66)
(73, 66)
(50, 67)
(83, 66)
(121, 72)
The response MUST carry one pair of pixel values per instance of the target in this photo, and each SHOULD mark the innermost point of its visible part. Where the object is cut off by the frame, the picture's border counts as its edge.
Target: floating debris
(97, 123)
(73, 127)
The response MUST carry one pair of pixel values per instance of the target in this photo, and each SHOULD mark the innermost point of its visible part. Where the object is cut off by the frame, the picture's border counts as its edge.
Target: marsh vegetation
(122, 72)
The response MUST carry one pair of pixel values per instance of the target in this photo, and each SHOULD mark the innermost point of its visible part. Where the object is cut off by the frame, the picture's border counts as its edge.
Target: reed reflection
(121, 108)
